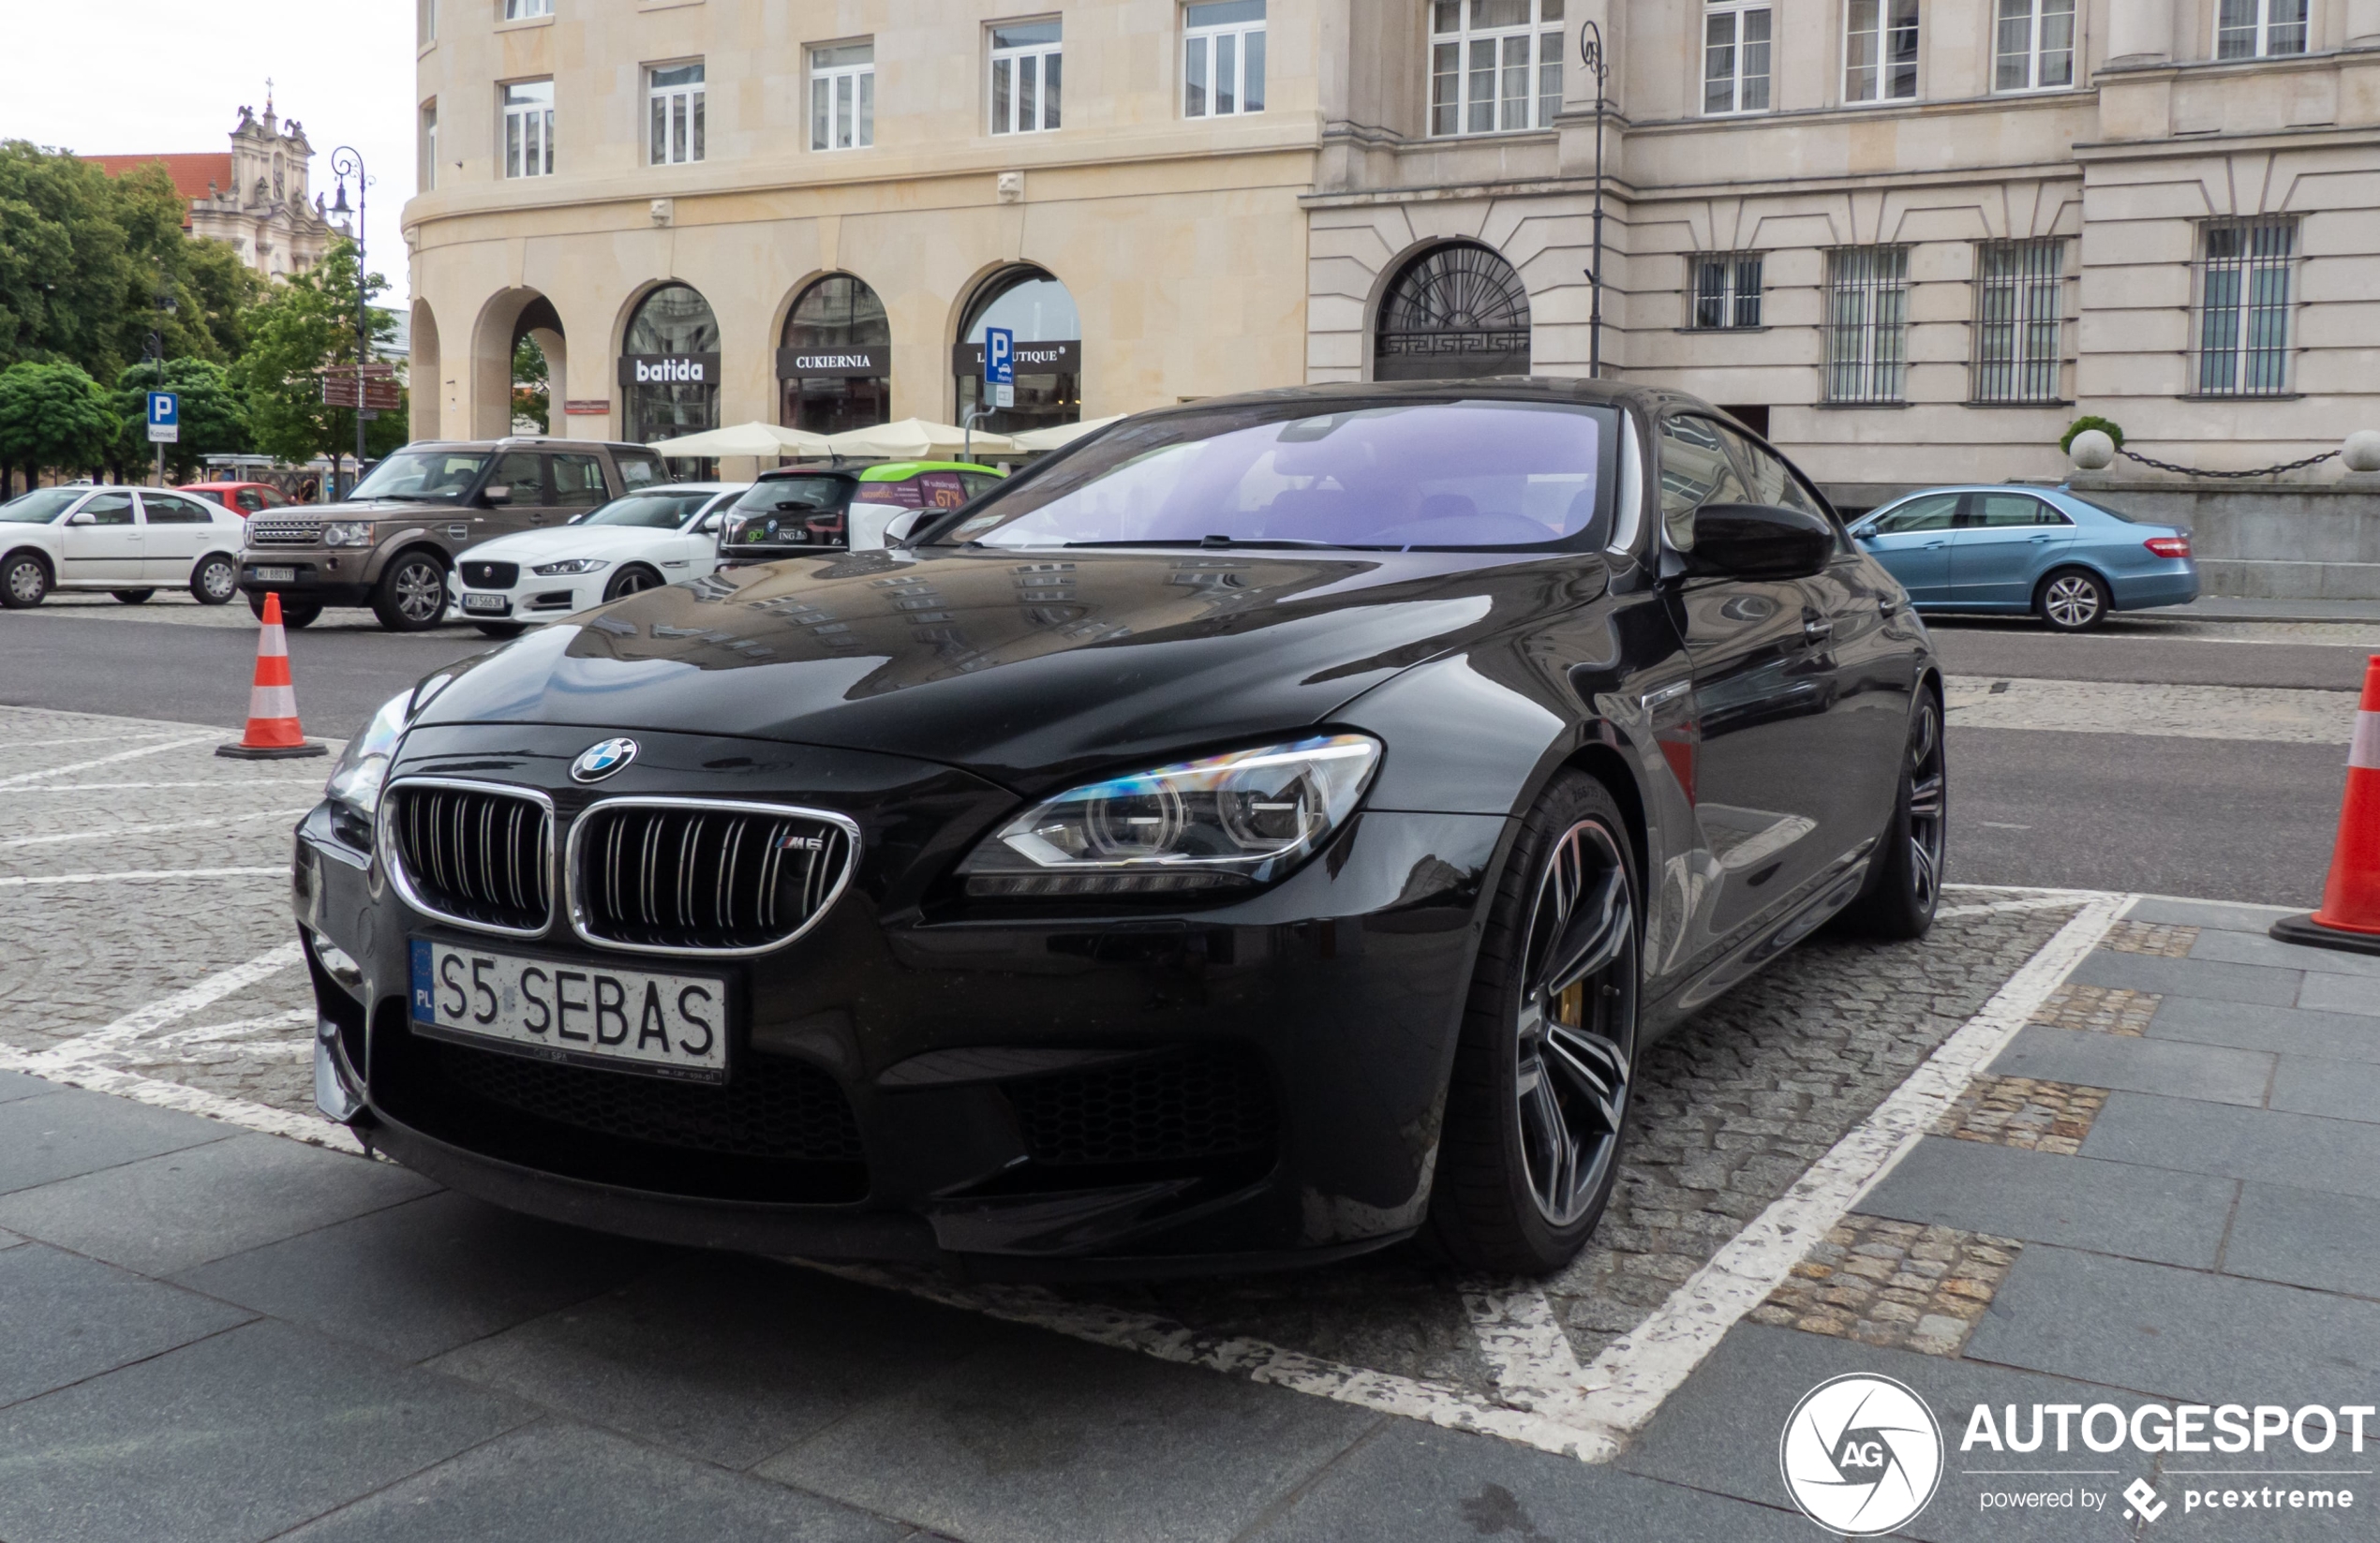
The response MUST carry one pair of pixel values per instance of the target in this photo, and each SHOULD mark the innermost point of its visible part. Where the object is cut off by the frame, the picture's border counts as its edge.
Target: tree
(214, 419)
(304, 325)
(54, 415)
(532, 388)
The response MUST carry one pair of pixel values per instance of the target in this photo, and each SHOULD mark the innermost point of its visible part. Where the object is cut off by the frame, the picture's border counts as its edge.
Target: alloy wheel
(1926, 823)
(1576, 1034)
(2071, 600)
(634, 581)
(421, 592)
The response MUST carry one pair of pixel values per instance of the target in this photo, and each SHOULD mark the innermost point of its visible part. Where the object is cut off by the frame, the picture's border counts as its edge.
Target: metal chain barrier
(2259, 471)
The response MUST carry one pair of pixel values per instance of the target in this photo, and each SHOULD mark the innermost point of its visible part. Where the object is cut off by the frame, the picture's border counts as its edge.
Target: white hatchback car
(639, 541)
(131, 542)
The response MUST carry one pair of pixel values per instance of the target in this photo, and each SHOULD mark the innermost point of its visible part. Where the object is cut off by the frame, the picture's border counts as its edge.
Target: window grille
(2020, 298)
(1456, 312)
(2259, 29)
(1221, 58)
(529, 129)
(843, 96)
(1495, 66)
(1866, 323)
(2244, 307)
(2033, 45)
(1736, 39)
(1027, 67)
(676, 95)
(1727, 289)
(1880, 50)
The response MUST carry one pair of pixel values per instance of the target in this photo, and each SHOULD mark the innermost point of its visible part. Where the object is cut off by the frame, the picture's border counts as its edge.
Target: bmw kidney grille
(694, 876)
(472, 854)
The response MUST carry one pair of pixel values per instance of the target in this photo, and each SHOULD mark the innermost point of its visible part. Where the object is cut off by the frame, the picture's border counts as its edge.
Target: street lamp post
(345, 163)
(1591, 55)
(165, 303)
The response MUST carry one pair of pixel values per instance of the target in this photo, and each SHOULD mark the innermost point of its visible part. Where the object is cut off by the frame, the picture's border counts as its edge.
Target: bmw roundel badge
(597, 762)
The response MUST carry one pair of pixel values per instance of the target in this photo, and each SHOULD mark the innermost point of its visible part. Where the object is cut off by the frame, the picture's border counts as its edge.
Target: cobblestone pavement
(2100, 1009)
(1894, 1284)
(2025, 1113)
(2166, 943)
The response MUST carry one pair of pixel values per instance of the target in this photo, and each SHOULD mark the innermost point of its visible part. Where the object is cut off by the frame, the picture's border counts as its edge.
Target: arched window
(834, 360)
(1049, 333)
(1454, 313)
(669, 365)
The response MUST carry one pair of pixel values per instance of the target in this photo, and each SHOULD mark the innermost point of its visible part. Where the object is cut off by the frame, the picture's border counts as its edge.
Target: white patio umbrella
(1063, 434)
(764, 441)
(914, 439)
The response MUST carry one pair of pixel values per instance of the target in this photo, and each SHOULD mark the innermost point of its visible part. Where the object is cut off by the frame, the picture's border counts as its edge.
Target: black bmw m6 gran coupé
(1267, 829)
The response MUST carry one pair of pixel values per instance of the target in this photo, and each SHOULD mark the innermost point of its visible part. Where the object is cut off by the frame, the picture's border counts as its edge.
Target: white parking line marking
(145, 1021)
(280, 872)
(80, 739)
(311, 1128)
(212, 1034)
(2033, 902)
(148, 830)
(213, 782)
(108, 760)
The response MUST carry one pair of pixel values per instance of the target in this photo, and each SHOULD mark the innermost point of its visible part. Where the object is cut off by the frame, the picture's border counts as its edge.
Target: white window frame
(425, 23)
(427, 145)
(1739, 307)
(842, 94)
(1506, 75)
(2255, 325)
(2270, 24)
(1889, 25)
(1009, 66)
(2026, 302)
(1873, 368)
(526, 10)
(674, 114)
(524, 128)
(1202, 46)
(1747, 92)
(2033, 55)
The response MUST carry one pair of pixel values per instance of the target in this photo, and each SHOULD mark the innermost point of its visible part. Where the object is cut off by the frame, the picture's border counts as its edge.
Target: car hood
(569, 541)
(1028, 668)
(370, 509)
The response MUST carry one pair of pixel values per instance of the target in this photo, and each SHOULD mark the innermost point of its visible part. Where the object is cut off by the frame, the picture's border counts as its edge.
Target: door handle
(1935, 546)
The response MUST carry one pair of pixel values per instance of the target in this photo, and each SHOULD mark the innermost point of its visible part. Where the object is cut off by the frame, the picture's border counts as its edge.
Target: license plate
(627, 1020)
(276, 575)
(495, 603)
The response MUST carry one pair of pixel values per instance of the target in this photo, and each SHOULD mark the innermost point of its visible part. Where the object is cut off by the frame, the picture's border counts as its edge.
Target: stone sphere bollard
(2092, 451)
(2362, 451)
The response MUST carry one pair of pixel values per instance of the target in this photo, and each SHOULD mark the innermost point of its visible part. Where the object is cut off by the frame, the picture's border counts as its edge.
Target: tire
(411, 594)
(501, 629)
(214, 580)
(2072, 600)
(1905, 881)
(631, 580)
(134, 596)
(293, 614)
(25, 581)
(1539, 1092)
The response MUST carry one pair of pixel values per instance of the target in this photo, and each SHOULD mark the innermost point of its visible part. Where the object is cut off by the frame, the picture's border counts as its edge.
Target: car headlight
(346, 533)
(1222, 822)
(355, 781)
(570, 565)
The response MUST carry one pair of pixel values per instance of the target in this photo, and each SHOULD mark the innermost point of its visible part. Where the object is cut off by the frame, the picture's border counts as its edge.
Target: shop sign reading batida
(669, 369)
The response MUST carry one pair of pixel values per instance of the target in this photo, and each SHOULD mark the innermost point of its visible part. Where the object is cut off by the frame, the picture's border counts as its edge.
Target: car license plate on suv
(275, 576)
(496, 604)
(628, 1020)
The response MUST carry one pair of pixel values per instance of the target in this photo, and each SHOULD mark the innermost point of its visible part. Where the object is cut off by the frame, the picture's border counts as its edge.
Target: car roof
(201, 487)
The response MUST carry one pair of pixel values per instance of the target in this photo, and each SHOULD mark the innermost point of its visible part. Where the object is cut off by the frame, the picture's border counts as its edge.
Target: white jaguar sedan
(639, 541)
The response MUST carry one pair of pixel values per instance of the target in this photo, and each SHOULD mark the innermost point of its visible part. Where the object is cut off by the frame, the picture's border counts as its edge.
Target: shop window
(1880, 50)
(673, 95)
(2020, 298)
(1866, 324)
(2244, 272)
(1223, 58)
(1495, 66)
(2033, 45)
(1027, 69)
(1726, 290)
(834, 362)
(1454, 313)
(1040, 312)
(843, 96)
(670, 369)
(2259, 29)
(528, 129)
(427, 175)
(1735, 45)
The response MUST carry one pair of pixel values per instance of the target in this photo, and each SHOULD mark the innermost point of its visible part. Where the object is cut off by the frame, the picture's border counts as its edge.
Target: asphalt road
(2235, 819)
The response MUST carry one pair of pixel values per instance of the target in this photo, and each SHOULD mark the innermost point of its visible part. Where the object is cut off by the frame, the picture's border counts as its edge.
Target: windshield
(651, 510)
(802, 494)
(1424, 474)
(41, 506)
(422, 476)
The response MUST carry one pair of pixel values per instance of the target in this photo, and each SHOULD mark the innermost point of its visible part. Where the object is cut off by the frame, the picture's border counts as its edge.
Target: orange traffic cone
(273, 731)
(2350, 913)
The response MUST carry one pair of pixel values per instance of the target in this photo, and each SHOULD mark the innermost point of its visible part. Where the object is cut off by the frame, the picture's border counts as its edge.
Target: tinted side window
(249, 500)
(168, 508)
(639, 469)
(1932, 513)
(108, 509)
(524, 473)
(1695, 467)
(578, 481)
(978, 483)
(1773, 481)
(2002, 510)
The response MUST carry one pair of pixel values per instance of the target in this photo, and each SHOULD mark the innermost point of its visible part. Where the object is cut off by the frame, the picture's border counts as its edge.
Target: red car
(242, 499)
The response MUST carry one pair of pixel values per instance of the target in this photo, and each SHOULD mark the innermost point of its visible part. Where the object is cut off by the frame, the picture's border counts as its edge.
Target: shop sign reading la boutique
(669, 369)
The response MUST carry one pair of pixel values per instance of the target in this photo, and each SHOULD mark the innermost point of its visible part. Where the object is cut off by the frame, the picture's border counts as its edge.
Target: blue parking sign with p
(1000, 357)
(165, 409)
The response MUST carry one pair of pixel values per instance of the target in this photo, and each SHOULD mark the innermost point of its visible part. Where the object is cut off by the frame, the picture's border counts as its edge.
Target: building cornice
(2217, 141)
(1618, 187)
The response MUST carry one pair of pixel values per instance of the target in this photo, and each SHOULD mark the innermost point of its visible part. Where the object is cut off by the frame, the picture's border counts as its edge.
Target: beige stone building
(1910, 239)
(252, 196)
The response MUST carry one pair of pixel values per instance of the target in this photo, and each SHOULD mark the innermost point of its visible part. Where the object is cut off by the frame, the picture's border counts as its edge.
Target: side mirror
(709, 525)
(498, 496)
(81, 519)
(896, 530)
(1759, 542)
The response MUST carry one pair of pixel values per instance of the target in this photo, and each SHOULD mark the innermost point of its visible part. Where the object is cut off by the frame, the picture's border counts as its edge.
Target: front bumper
(317, 575)
(971, 1052)
(533, 599)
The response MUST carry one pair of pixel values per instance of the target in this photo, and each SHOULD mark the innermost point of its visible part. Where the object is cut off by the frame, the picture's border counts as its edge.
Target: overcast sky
(120, 77)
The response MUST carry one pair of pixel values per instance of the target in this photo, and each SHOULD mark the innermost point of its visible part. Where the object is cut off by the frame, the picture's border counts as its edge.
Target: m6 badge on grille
(626, 1020)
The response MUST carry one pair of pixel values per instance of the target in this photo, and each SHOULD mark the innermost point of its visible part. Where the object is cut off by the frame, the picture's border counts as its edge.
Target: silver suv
(393, 542)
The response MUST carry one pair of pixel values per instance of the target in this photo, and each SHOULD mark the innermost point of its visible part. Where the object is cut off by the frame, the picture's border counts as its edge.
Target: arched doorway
(1456, 312)
(539, 365)
(669, 368)
(834, 363)
(1048, 332)
(502, 397)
